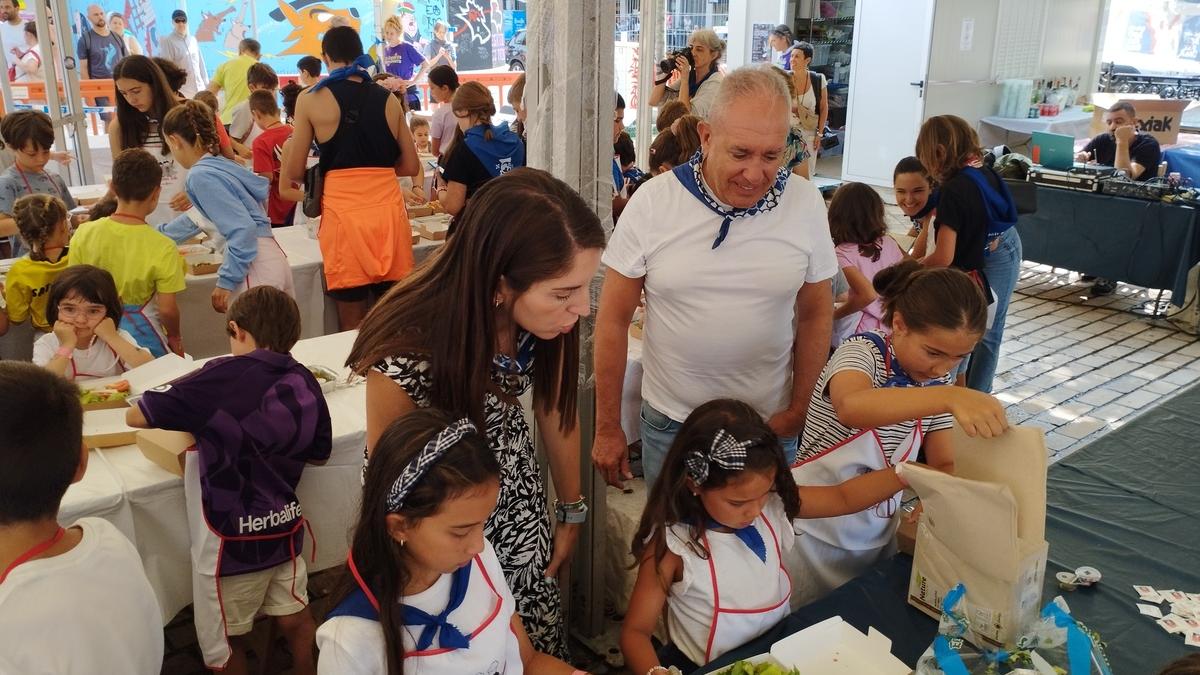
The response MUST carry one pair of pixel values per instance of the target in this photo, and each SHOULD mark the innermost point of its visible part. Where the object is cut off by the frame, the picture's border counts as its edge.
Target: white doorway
(887, 83)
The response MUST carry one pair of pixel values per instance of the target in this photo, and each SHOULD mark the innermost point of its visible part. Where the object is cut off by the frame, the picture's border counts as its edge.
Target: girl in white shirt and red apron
(424, 591)
(715, 534)
(875, 407)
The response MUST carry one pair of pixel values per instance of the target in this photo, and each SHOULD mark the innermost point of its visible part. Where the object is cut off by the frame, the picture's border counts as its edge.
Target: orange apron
(365, 236)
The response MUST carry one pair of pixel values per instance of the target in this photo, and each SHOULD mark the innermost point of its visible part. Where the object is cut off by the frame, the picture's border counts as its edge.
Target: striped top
(822, 430)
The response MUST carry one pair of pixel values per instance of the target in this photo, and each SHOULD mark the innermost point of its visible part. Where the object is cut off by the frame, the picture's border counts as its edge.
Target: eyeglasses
(87, 311)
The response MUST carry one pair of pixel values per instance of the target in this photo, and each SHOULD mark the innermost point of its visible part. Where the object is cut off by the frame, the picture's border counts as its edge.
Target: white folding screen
(1020, 29)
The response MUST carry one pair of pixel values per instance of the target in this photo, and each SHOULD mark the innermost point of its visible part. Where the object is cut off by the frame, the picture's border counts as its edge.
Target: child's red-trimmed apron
(731, 625)
(232, 533)
(365, 235)
(493, 648)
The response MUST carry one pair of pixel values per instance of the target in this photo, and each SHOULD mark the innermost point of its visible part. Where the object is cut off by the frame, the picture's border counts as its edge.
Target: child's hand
(175, 344)
(979, 414)
(106, 330)
(220, 300)
(180, 202)
(65, 333)
(62, 157)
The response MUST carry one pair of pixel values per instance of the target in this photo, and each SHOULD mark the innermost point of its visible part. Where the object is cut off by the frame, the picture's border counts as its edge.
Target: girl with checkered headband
(715, 534)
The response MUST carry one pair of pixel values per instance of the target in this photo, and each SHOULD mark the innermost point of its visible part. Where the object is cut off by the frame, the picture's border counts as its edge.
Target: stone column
(570, 96)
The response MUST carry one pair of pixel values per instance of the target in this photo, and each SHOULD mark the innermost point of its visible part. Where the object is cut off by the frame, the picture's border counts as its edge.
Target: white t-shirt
(719, 322)
(31, 57)
(241, 123)
(89, 610)
(12, 36)
(97, 360)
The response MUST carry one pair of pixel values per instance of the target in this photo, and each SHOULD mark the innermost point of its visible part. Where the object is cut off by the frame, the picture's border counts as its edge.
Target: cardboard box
(986, 528)
(1160, 117)
(435, 227)
(107, 429)
(150, 375)
(419, 211)
(203, 263)
(165, 448)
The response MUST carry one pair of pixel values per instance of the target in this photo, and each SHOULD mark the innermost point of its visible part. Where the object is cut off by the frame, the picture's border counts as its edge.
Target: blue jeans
(658, 433)
(1002, 268)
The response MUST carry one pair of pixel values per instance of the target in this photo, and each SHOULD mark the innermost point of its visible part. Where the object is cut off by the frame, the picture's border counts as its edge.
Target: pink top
(871, 318)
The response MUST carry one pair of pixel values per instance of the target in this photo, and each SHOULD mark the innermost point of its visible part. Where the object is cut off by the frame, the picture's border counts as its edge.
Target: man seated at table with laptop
(1123, 147)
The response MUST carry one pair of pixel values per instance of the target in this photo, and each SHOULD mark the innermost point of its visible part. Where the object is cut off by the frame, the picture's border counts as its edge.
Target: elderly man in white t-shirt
(735, 260)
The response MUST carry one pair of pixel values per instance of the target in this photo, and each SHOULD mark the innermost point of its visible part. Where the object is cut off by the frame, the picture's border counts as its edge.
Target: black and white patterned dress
(519, 529)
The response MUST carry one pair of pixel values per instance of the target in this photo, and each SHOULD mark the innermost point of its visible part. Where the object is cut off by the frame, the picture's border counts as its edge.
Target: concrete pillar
(570, 95)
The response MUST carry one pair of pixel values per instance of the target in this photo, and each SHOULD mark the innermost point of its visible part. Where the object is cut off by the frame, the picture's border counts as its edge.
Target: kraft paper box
(107, 428)
(165, 448)
(986, 528)
(1160, 117)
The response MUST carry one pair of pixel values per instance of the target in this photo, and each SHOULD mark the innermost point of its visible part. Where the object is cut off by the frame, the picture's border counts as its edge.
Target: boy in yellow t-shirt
(43, 223)
(144, 263)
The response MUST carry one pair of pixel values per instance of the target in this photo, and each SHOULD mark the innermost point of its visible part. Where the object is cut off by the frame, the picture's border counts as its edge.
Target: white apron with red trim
(97, 368)
(270, 266)
(207, 546)
(871, 528)
(731, 597)
(350, 646)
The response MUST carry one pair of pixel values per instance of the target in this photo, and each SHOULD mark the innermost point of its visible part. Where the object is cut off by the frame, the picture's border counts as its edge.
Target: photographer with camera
(691, 74)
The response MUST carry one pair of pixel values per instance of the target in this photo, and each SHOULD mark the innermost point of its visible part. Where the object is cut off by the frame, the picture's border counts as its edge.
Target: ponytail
(931, 297)
(193, 122)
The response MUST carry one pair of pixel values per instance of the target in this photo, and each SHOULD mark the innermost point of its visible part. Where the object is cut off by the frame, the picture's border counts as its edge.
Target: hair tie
(726, 451)
(429, 455)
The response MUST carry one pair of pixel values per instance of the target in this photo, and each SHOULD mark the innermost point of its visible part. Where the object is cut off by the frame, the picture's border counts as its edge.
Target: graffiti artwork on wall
(471, 27)
(309, 19)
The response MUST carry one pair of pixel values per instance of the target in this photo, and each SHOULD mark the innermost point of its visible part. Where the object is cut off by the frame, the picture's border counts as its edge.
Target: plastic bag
(1059, 642)
(953, 651)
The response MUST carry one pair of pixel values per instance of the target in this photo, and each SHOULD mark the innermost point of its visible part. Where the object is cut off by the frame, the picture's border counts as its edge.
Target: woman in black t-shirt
(974, 230)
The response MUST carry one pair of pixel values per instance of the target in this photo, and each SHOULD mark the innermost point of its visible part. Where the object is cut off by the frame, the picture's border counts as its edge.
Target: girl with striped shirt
(878, 403)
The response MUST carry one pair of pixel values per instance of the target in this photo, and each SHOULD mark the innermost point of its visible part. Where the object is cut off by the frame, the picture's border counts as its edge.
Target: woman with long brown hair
(974, 230)
(486, 151)
(495, 312)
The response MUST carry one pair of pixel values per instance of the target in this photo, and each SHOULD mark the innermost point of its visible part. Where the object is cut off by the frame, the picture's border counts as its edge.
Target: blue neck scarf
(618, 176)
(449, 637)
(749, 535)
(999, 204)
(358, 67)
(897, 376)
(689, 175)
(503, 153)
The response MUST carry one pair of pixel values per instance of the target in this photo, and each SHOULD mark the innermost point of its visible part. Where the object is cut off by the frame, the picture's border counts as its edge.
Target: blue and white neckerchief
(438, 626)
(749, 535)
(358, 67)
(519, 364)
(897, 376)
(689, 175)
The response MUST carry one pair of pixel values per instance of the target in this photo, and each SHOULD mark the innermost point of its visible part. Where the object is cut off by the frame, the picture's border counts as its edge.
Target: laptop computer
(1055, 151)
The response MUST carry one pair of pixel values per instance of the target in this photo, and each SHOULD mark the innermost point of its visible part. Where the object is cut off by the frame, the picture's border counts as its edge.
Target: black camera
(667, 65)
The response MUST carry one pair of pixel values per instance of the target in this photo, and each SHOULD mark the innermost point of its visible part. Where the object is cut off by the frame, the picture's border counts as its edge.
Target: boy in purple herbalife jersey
(258, 417)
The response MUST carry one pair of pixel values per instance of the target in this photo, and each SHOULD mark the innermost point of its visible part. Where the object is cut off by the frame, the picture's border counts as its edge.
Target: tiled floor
(1079, 367)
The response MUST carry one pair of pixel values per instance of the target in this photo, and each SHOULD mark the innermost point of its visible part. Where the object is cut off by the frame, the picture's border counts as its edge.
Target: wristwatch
(571, 513)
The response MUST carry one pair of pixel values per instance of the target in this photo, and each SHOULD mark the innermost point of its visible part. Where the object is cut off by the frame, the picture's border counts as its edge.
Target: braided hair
(193, 122)
(38, 217)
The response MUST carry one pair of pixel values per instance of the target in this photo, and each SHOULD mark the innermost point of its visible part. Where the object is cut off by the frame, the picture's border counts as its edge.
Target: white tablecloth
(147, 502)
(631, 393)
(1015, 132)
(204, 330)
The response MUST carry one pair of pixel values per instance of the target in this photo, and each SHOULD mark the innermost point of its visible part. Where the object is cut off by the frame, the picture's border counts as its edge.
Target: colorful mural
(291, 29)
